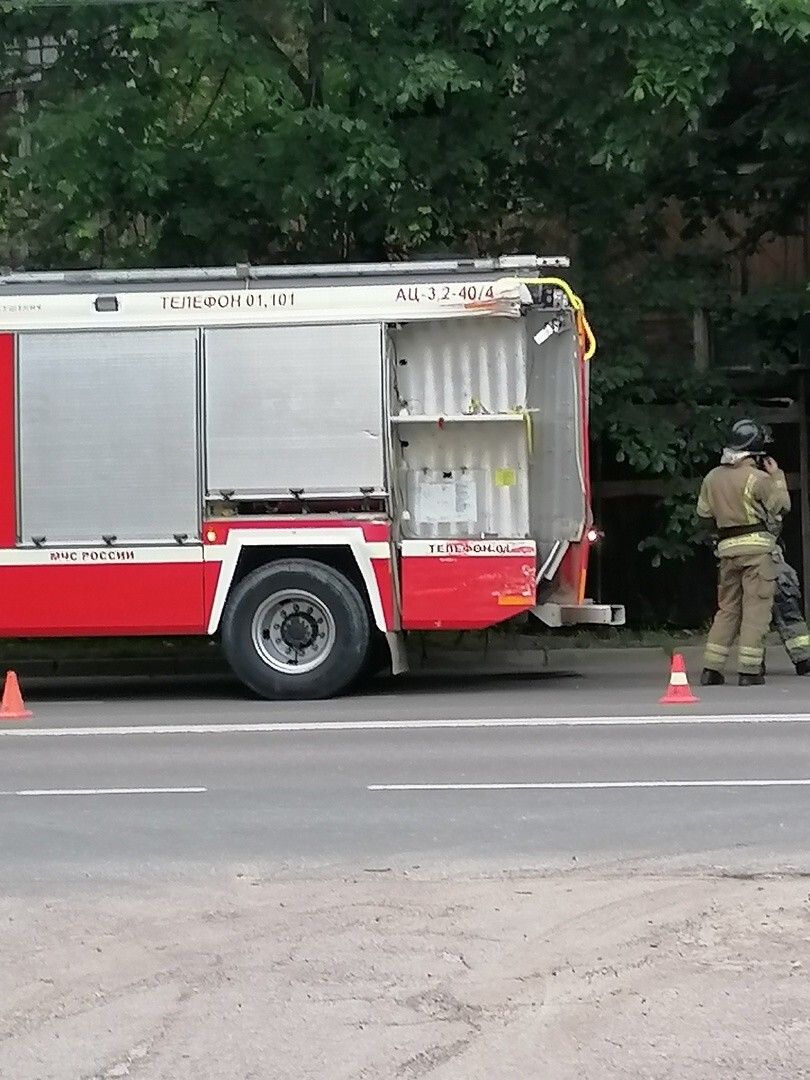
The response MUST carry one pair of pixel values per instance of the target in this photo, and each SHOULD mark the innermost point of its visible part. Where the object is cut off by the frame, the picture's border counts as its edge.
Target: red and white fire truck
(308, 461)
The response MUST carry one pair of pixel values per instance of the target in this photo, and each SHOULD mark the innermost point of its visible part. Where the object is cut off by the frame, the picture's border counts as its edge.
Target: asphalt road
(201, 886)
(576, 766)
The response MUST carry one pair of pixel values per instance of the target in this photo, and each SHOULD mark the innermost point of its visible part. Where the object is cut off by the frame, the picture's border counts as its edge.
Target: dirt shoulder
(384, 976)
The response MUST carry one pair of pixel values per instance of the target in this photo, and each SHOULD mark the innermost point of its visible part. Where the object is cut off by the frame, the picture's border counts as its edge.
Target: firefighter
(745, 492)
(788, 617)
(788, 613)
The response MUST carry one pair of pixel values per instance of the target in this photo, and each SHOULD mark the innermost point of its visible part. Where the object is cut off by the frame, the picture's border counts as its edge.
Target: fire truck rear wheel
(296, 629)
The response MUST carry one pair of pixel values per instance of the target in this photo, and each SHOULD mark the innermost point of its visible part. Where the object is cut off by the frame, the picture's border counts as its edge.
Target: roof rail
(245, 272)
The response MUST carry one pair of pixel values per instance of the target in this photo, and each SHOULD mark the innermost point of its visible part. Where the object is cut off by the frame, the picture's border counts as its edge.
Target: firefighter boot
(803, 667)
(709, 677)
(752, 680)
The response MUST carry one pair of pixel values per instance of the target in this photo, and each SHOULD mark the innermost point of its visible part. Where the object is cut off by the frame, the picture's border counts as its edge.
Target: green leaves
(680, 531)
(336, 125)
(357, 130)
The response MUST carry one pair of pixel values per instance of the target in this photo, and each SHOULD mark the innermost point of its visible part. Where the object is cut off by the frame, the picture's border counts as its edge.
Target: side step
(585, 614)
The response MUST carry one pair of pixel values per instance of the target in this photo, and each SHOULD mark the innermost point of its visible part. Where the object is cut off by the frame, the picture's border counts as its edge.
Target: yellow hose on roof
(576, 304)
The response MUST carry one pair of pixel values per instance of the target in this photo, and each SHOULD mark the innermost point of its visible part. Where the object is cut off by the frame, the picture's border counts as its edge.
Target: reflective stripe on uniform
(748, 500)
(715, 656)
(751, 660)
(802, 641)
(720, 651)
(748, 653)
(758, 540)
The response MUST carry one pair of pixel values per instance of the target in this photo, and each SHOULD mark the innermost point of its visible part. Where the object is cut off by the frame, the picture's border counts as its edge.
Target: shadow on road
(416, 683)
(224, 688)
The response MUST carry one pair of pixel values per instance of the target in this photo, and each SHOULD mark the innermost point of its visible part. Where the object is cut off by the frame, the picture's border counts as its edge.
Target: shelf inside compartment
(462, 418)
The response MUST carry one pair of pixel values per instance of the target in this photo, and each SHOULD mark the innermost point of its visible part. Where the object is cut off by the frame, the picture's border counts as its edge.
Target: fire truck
(307, 461)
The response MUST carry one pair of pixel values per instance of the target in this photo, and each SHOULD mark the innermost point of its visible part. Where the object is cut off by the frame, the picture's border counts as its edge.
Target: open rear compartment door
(559, 483)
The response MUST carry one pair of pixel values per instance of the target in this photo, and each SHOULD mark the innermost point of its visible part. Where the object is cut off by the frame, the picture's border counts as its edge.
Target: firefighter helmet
(749, 435)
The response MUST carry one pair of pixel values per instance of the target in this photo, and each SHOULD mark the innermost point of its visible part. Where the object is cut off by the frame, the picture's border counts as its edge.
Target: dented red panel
(465, 584)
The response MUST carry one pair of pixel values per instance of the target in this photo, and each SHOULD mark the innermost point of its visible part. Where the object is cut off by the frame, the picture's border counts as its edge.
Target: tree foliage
(343, 128)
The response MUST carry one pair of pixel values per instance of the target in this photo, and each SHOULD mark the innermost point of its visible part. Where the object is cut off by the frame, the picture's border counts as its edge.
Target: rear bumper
(586, 613)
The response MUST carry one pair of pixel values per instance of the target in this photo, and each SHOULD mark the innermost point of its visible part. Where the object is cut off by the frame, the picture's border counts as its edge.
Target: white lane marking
(654, 719)
(588, 785)
(109, 791)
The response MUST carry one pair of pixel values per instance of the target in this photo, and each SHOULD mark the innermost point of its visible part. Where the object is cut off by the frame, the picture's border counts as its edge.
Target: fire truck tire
(296, 629)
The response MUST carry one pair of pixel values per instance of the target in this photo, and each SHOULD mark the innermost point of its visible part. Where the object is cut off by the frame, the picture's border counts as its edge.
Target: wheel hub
(293, 631)
(299, 630)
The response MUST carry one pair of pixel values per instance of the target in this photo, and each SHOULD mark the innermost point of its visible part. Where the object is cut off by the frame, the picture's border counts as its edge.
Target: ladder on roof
(509, 264)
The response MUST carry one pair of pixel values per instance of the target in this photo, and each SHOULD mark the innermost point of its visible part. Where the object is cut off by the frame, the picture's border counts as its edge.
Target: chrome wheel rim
(293, 631)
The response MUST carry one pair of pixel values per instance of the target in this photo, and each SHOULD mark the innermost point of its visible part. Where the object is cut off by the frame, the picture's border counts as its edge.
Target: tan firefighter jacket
(743, 500)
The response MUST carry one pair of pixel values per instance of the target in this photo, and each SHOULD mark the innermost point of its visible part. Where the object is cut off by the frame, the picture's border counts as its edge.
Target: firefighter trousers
(788, 616)
(745, 604)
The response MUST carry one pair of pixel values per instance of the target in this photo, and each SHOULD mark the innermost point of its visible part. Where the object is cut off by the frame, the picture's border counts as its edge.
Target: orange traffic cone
(12, 706)
(678, 692)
